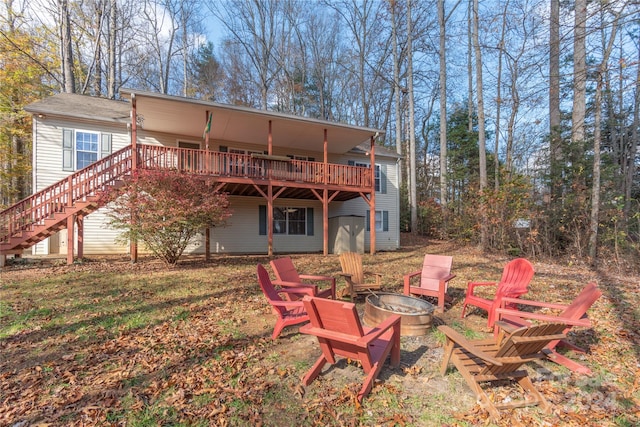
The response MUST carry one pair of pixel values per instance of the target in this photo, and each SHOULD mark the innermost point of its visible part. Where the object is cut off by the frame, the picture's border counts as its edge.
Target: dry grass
(106, 342)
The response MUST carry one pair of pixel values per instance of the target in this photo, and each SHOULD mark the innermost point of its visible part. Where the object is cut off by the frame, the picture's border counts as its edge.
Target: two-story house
(295, 184)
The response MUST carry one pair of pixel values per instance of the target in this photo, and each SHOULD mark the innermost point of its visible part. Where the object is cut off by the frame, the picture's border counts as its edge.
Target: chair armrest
(449, 277)
(313, 277)
(407, 281)
(472, 285)
(411, 275)
(469, 346)
(296, 289)
(503, 313)
(519, 301)
(287, 304)
(380, 329)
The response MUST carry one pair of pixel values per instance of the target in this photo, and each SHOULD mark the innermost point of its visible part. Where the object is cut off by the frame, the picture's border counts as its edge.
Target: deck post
(133, 244)
(372, 217)
(270, 219)
(325, 200)
(70, 238)
(80, 222)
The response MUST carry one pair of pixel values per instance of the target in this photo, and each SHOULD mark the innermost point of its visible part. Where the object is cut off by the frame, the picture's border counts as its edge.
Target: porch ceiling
(187, 117)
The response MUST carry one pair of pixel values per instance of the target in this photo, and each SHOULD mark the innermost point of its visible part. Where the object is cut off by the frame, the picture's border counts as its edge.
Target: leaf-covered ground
(110, 343)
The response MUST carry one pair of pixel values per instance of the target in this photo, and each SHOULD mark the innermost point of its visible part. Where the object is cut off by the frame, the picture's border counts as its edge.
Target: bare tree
(66, 46)
(595, 189)
(481, 128)
(413, 195)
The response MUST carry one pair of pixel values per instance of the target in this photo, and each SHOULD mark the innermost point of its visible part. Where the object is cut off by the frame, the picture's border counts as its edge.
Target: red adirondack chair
(340, 333)
(434, 278)
(573, 314)
(514, 282)
(287, 275)
(288, 310)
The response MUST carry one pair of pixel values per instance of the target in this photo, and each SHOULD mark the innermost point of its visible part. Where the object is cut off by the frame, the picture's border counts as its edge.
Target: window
(377, 175)
(86, 148)
(382, 221)
(287, 221)
(81, 148)
(290, 221)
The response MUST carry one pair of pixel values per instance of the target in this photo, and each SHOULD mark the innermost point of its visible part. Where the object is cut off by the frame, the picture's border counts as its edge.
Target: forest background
(516, 120)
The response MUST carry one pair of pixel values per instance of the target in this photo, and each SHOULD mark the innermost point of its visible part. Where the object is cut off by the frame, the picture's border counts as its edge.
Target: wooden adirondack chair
(288, 276)
(500, 359)
(574, 314)
(514, 282)
(434, 278)
(287, 309)
(340, 333)
(354, 275)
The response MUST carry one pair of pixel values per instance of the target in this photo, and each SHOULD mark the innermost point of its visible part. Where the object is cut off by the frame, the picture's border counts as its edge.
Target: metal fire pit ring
(416, 314)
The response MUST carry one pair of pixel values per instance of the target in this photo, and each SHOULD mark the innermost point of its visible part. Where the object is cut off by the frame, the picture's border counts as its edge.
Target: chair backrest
(585, 299)
(351, 263)
(335, 316)
(267, 286)
(525, 344)
(435, 268)
(284, 270)
(515, 278)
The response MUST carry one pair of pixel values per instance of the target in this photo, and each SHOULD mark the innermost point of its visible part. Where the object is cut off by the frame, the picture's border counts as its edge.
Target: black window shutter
(309, 221)
(368, 220)
(262, 220)
(385, 220)
(383, 179)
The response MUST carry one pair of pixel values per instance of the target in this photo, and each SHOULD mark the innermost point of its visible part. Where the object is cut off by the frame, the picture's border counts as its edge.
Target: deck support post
(80, 222)
(372, 217)
(133, 244)
(325, 199)
(70, 238)
(270, 219)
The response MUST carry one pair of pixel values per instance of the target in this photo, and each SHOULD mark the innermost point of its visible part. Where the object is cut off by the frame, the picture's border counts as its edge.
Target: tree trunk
(555, 142)
(66, 45)
(481, 130)
(579, 73)
(443, 107)
(396, 86)
(595, 189)
(496, 170)
(412, 128)
(111, 80)
(470, 66)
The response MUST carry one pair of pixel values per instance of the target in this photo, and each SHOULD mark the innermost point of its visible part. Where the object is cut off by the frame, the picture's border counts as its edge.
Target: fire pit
(416, 315)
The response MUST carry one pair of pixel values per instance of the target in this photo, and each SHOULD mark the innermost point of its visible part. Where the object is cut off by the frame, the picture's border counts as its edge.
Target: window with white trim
(86, 148)
(81, 148)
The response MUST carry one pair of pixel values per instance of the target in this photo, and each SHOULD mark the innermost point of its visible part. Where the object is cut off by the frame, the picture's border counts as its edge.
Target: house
(287, 177)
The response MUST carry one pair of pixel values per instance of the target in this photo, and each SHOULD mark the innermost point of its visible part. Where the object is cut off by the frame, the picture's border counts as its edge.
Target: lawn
(109, 343)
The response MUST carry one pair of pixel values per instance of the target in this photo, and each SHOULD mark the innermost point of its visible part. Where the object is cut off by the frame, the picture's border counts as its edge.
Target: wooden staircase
(48, 211)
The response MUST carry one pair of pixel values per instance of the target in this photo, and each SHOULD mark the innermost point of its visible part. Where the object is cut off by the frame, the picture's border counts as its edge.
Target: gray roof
(82, 107)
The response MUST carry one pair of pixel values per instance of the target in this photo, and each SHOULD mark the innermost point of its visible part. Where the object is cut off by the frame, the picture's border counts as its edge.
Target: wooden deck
(44, 213)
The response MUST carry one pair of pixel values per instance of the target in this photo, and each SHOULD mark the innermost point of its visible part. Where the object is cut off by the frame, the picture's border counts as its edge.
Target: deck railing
(32, 211)
(256, 166)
